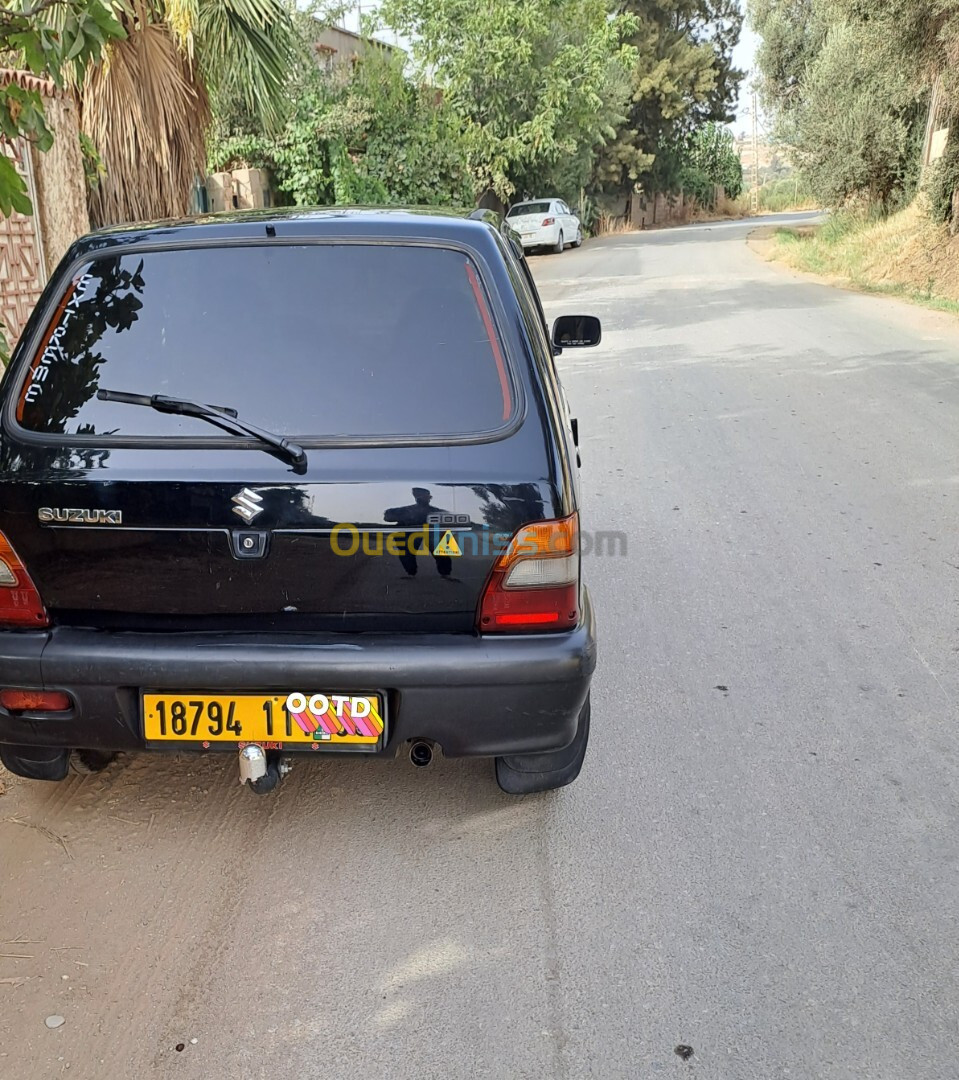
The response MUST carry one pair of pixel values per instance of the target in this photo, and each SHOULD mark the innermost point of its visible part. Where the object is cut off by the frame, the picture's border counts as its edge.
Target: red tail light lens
(549, 221)
(20, 603)
(35, 701)
(534, 584)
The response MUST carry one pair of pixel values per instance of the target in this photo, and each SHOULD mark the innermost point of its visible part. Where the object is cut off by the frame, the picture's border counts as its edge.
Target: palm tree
(146, 105)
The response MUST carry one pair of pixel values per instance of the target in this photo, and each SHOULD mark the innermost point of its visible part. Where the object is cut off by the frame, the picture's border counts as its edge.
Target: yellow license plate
(307, 720)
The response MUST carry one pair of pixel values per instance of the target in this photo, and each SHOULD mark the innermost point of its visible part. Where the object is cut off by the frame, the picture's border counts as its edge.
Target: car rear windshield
(313, 340)
(528, 208)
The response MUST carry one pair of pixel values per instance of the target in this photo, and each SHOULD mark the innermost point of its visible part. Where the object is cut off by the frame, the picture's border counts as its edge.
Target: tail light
(549, 221)
(534, 584)
(20, 603)
(35, 701)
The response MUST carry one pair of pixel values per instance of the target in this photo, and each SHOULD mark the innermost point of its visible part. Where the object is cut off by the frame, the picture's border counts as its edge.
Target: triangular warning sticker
(448, 545)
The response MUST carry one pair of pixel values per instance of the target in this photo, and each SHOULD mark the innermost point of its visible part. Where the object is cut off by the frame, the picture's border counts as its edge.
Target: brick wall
(22, 273)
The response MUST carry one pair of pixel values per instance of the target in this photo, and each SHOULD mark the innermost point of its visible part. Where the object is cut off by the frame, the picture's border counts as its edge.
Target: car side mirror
(576, 331)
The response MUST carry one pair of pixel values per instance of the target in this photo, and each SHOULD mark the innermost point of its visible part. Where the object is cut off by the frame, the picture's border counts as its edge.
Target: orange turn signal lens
(541, 540)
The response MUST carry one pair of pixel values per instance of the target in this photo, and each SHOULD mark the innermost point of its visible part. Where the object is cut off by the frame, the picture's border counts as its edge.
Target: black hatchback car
(293, 483)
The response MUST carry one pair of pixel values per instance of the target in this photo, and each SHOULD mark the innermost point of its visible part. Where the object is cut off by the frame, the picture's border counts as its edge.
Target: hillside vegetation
(904, 254)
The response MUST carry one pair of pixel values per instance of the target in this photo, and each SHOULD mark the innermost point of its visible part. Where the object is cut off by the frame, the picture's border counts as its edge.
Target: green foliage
(413, 143)
(847, 82)
(587, 211)
(93, 167)
(786, 193)
(513, 97)
(710, 160)
(853, 128)
(367, 136)
(535, 83)
(941, 184)
(791, 33)
(682, 77)
(244, 50)
(242, 152)
(48, 39)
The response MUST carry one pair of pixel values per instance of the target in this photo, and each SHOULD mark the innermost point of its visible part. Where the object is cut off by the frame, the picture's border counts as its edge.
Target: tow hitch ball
(263, 770)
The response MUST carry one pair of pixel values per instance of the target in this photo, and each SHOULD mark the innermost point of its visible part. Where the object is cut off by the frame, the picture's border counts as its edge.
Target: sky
(743, 56)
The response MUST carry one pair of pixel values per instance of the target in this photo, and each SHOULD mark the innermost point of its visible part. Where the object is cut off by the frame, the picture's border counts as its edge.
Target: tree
(847, 84)
(710, 160)
(413, 143)
(536, 82)
(147, 109)
(46, 38)
(855, 129)
(791, 35)
(365, 134)
(682, 78)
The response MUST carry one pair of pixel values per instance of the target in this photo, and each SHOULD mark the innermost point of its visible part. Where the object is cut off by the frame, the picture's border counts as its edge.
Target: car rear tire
(524, 774)
(560, 244)
(578, 242)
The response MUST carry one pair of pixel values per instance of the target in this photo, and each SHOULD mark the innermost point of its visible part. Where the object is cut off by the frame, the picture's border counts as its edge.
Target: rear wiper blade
(214, 414)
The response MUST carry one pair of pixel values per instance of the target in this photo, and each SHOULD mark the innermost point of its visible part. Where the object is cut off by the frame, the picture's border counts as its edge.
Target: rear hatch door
(383, 360)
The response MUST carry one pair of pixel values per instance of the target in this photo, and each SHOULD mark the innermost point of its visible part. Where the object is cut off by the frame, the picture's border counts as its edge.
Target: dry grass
(724, 209)
(612, 226)
(905, 255)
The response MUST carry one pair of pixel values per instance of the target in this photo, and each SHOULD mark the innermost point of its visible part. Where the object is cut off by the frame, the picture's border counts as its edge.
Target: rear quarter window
(309, 340)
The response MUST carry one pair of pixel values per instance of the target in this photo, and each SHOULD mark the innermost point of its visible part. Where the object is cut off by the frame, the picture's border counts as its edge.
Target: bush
(854, 130)
(786, 193)
(940, 185)
(710, 161)
(365, 135)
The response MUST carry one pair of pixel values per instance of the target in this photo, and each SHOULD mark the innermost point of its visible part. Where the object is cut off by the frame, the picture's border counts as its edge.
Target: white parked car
(545, 223)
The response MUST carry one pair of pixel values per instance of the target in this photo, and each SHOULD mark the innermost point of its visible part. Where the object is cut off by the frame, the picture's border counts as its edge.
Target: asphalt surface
(760, 860)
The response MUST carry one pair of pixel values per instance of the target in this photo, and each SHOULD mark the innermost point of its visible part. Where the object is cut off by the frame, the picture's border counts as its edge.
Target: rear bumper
(473, 696)
(542, 237)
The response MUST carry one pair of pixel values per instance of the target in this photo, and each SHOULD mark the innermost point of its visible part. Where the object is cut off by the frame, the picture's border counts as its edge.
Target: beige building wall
(335, 46)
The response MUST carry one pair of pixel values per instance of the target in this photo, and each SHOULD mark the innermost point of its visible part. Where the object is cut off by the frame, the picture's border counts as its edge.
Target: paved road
(761, 858)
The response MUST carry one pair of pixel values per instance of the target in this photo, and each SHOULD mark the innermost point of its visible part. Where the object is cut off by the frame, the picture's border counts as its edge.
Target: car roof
(465, 226)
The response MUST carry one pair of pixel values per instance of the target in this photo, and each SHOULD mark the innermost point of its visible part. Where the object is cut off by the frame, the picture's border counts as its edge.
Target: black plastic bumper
(474, 696)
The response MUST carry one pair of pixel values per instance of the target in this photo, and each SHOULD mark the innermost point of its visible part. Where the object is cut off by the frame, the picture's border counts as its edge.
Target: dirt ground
(109, 873)
(142, 893)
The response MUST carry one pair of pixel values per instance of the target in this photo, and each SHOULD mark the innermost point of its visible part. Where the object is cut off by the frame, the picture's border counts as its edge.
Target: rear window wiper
(214, 414)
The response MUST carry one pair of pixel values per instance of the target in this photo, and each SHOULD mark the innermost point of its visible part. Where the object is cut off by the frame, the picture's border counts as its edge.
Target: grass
(903, 255)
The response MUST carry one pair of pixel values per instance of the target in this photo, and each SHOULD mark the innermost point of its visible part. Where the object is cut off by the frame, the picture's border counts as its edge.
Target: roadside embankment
(903, 255)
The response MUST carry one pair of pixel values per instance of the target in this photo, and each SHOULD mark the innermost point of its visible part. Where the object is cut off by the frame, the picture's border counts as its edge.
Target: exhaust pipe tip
(421, 753)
